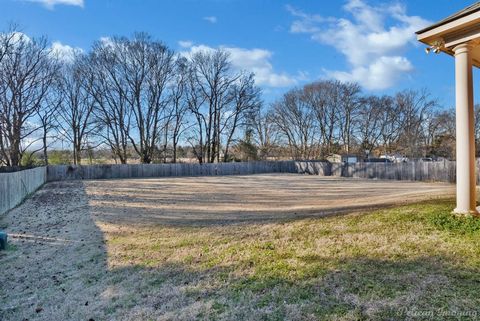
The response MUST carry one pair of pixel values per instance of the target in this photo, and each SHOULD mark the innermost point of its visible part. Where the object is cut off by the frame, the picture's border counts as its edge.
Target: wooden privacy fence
(14, 187)
(415, 171)
(313, 168)
(67, 172)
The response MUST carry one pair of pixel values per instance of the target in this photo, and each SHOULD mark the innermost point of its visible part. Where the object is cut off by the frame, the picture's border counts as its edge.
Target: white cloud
(372, 40)
(64, 52)
(185, 43)
(57, 49)
(307, 23)
(254, 60)
(211, 19)
(50, 4)
(382, 73)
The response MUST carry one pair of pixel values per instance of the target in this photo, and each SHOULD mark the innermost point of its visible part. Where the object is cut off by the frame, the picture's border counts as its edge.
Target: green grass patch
(380, 265)
(456, 224)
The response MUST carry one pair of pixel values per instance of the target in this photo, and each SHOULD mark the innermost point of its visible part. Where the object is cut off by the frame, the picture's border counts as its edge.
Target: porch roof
(461, 27)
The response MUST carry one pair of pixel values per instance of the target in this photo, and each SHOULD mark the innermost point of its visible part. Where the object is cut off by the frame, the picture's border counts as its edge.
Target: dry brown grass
(235, 248)
(234, 199)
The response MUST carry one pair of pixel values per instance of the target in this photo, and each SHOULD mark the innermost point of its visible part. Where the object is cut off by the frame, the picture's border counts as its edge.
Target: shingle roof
(462, 13)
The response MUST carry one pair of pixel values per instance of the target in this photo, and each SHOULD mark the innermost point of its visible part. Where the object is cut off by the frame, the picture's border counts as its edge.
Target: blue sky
(286, 43)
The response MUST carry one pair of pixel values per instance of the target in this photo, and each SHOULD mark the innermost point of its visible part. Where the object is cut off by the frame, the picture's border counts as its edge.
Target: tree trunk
(15, 156)
(45, 154)
(174, 151)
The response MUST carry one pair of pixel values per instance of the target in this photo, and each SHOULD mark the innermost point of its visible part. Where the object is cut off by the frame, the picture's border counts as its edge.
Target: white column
(466, 189)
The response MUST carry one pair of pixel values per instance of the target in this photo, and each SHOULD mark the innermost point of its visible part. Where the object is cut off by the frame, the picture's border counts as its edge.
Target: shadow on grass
(142, 216)
(356, 289)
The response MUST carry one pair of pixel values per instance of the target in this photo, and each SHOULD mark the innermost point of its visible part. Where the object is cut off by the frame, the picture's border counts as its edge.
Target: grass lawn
(410, 262)
(414, 262)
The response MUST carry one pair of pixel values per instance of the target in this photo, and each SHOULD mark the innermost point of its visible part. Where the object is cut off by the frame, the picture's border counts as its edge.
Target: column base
(461, 212)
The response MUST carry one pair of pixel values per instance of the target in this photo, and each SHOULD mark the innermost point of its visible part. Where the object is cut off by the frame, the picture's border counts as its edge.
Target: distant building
(347, 158)
(334, 158)
(350, 159)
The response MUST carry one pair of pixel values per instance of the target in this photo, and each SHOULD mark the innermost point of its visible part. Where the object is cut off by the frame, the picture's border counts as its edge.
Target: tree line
(328, 117)
(126, 93)
(136, 98)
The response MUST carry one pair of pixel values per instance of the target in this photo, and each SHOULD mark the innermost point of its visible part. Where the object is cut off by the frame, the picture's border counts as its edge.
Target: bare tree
(7, 40)
(179, 103)
(391, 125)
(75, 116)
(370, 124)
(109, 89)
(348, 112)
(46, 115)
(414, 108)
(442, 142)
(146, 66)
(296, 122)
(213, 77)
(265, 134)
(195, 101)
(26, 74)
(324, 99)
(245, 102)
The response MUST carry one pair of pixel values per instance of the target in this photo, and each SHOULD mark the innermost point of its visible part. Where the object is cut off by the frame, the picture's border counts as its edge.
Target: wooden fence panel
(69, 172)
(14, 187)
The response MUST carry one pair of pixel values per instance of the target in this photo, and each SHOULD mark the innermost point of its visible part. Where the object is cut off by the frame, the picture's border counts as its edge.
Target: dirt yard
(235, 247)
(234, 199)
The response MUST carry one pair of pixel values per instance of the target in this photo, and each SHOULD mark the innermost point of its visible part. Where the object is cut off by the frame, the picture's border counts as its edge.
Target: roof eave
(447, 20)
(446, 29)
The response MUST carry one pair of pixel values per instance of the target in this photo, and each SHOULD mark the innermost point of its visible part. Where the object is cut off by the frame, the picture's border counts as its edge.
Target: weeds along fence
(16, 186)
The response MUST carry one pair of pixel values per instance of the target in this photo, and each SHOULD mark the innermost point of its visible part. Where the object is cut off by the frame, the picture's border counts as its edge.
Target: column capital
(462, 48)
